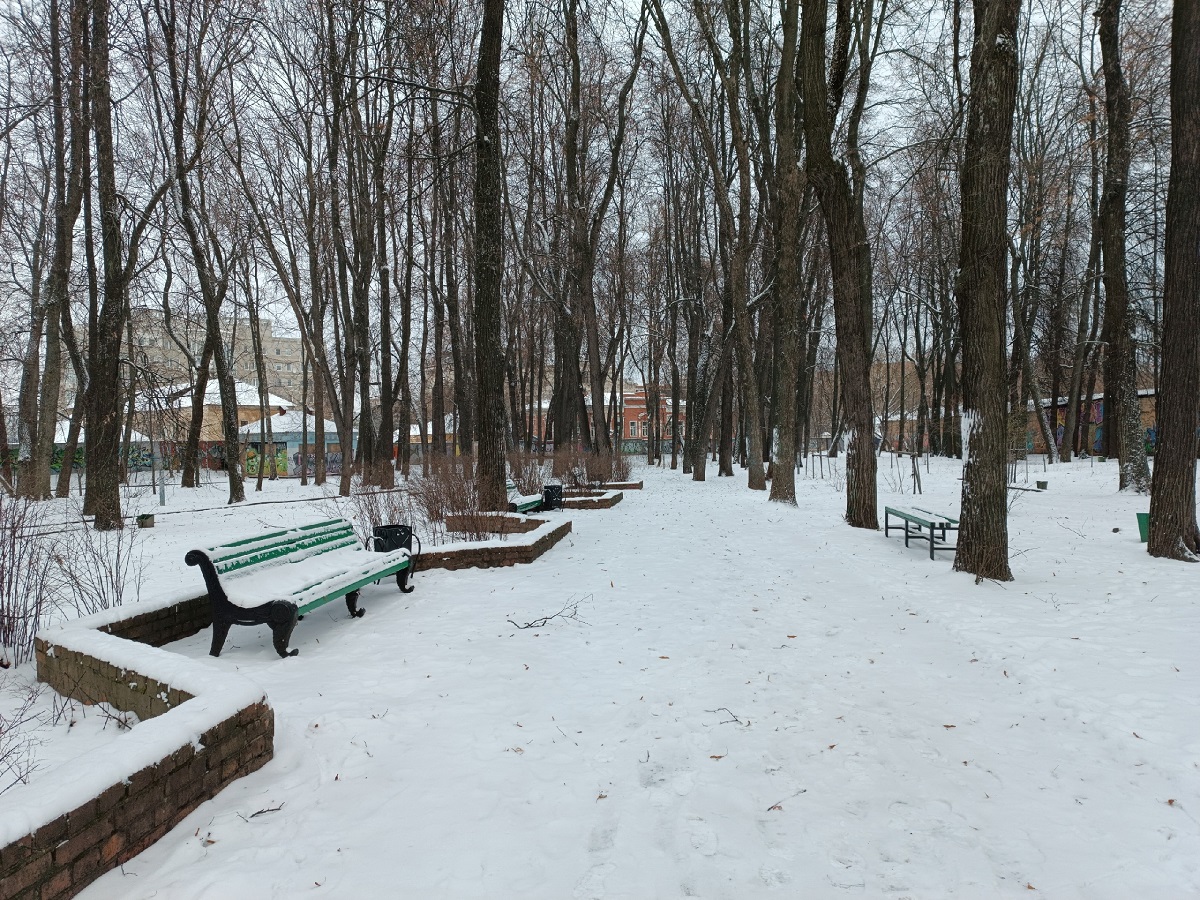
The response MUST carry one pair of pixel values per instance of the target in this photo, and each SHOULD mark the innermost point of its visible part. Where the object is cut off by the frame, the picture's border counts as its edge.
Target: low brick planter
(593, 500)
(505, 523)
(199, 731)
(528, 546)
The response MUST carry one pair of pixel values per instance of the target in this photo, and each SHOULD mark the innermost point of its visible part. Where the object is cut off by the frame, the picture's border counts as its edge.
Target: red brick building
(635, 415)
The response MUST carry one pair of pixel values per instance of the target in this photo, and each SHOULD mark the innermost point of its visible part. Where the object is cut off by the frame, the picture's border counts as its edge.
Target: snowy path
(786, 709)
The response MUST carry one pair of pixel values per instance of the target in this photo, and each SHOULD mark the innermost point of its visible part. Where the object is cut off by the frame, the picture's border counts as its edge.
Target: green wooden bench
(522, 503)
(922, 525)
(275, 578)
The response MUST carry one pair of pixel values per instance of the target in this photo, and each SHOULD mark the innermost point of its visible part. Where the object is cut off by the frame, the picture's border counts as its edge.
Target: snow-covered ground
(740, 700)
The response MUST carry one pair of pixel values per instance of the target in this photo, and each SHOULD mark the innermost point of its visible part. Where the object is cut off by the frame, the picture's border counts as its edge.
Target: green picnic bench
(275, 578)
(522, 503)
(922, 525)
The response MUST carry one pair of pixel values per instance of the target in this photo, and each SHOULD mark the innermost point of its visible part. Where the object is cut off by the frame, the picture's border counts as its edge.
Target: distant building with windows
(636, 422)
(160, 354)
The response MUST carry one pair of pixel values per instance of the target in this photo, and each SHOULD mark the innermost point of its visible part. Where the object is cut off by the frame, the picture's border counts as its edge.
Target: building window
(276, 351)
(633, 429)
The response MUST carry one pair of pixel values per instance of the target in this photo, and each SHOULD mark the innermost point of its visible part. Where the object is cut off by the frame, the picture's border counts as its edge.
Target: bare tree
(1123, 430)
(1173, 530)
(489, 262)
(982, 297)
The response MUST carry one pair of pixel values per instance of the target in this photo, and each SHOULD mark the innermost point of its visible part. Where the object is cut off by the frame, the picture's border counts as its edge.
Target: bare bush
(529, 472)
(29, 577)
(371, 507)
(450, 489)
(622, 466)
(16, 740)
(100, 569)
(570, 465)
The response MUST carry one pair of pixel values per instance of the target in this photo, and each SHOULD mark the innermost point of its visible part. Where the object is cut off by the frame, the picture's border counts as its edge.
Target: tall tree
(119, 260)
(839, 188)
(1123, 419)
(1173, 530)
(489, 262)
(982, 295)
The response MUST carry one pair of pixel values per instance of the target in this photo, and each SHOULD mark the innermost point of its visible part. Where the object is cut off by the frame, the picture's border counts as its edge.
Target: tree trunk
(1173, 531)
(789, 294)
(489, 263)
(103, 497)
(1122, 410)
(850, 265)
(983, 536)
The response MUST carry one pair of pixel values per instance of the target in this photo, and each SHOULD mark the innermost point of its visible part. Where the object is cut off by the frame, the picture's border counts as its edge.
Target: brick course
(66, 854)
(511, 554)
(62, 856)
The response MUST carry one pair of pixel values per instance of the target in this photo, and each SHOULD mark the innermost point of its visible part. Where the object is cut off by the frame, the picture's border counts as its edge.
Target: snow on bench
(275, 578)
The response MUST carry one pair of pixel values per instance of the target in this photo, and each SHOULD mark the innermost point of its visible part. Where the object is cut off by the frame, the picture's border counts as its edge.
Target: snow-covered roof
(247, 395)
(1099, 395)
(414, 430)
(290, 421)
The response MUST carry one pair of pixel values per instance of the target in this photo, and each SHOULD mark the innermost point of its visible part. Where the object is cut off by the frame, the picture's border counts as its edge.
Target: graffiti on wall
(333, 460)
(254, 457)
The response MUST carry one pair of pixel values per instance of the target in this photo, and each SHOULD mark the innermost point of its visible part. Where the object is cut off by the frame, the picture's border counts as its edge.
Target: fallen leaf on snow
(775, 808)
(602, 796)
(948, 727)
(723, 755)
(664, 657)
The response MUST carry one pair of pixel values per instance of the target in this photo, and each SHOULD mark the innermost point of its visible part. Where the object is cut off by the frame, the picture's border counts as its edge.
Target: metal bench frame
(273, 548)
(930, 526)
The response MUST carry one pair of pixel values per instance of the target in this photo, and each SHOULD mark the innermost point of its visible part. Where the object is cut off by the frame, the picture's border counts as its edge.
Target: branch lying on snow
(778, 807)
(569, 611)
(261, 812)
(727, 721)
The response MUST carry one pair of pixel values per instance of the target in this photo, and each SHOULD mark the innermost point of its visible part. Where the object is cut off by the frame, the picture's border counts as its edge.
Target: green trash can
(1144, 526)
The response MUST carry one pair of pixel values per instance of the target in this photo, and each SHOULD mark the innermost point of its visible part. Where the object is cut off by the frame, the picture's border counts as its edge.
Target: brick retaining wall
(508, 524)
(60, 856)
(63, 852)
(605, 500)
(510, 553)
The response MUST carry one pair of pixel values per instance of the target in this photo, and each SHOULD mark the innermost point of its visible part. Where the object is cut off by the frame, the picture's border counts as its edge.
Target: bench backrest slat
(278, 546)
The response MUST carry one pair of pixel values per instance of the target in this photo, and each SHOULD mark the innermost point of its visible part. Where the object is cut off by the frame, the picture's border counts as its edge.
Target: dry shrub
(100, 569)
(529, 472)
(371, 507)
(570, 465)
(450, 489)
(599, 468)
(17, 743)
(29, 575)
(622, 466)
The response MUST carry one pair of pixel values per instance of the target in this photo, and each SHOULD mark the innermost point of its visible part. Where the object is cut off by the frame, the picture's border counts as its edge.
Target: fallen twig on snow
(727, 721)
(569, 611)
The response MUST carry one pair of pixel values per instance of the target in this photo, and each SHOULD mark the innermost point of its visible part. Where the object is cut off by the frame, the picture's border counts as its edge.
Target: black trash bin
(551, 497)
(392, 537)
(387, 538)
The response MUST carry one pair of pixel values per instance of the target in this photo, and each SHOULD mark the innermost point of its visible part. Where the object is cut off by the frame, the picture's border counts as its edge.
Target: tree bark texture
(489, 263)
(1173, 531)
(982, 291)
(850, 264)
(1122, 409)
(102, 439)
